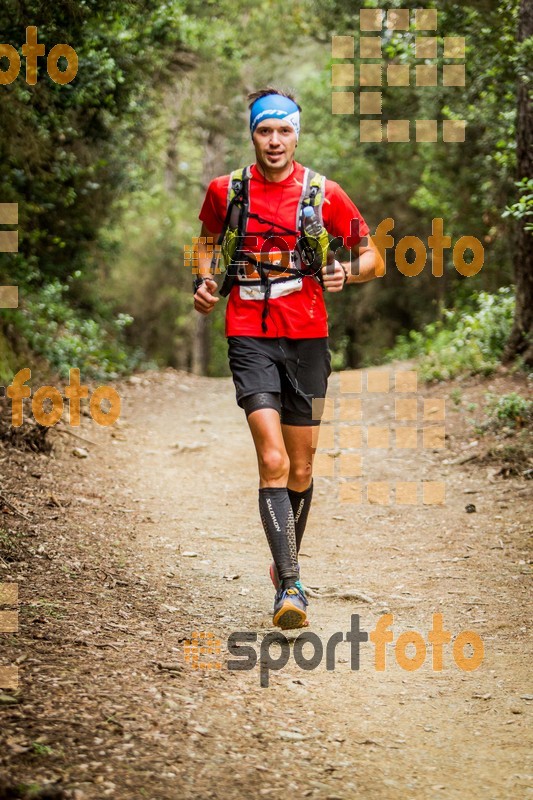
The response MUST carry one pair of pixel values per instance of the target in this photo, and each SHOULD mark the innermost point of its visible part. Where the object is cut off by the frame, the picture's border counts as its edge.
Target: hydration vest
(254, 276)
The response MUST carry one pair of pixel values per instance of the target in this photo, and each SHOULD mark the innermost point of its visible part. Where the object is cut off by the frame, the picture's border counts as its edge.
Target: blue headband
(275, 106)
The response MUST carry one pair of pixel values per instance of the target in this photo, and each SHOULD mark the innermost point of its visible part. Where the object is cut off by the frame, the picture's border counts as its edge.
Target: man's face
(275, 142)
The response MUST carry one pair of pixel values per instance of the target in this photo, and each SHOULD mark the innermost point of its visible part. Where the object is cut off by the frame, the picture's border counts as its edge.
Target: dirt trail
(156, 534)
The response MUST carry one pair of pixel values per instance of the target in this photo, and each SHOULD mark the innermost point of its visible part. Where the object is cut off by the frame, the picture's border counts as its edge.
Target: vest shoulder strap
(314, 191)
(238, 183)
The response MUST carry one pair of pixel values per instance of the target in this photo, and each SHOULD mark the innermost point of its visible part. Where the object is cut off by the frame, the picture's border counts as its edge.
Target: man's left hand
(334, 277)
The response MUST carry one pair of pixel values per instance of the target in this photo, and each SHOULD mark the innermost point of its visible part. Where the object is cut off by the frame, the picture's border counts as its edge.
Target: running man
(276, 320)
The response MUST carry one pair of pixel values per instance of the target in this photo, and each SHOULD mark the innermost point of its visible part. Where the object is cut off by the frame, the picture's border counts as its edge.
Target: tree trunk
(172, 154)
(520, 343)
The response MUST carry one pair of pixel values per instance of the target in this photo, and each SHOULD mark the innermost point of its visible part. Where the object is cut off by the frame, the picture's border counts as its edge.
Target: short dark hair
(253, 96)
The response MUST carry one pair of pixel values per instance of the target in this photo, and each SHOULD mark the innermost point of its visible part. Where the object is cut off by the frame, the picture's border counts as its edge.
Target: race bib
(278, 289)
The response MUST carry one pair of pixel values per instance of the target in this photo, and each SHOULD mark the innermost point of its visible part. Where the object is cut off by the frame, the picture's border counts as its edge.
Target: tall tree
(520, 341)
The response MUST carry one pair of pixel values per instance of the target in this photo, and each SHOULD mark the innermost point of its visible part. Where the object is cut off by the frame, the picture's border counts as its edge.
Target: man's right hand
(204, 302)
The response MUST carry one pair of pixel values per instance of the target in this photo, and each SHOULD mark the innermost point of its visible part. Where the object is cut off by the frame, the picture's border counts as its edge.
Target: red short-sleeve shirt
(301, 314)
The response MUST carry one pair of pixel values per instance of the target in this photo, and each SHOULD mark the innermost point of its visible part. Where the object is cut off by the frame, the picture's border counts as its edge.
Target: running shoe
(290, 609)
(274, 576)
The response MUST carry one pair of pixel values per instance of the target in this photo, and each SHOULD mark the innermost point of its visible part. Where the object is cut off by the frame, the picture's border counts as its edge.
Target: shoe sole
(289, 617)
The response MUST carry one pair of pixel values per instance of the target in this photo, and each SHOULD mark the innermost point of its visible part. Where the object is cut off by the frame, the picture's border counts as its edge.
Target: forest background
(109, 172)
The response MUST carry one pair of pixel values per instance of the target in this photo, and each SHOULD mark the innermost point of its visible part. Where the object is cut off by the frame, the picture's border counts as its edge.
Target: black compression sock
(278, 521)
(301, 503)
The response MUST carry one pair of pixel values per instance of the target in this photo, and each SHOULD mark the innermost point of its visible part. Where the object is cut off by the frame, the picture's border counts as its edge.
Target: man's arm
(204, 301)
(365, 264)
(366, 261)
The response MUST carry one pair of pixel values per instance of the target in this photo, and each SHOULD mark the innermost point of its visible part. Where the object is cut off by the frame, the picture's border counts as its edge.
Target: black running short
(297, 369)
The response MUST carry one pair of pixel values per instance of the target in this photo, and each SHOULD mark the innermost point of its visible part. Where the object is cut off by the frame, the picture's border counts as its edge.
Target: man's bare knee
(300, 476)
(273, 464)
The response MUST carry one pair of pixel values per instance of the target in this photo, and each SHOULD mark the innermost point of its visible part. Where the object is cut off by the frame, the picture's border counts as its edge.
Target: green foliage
(455, 396)
(523, 208)
(70, 154)
(110, 170)
(8, 361)
(29, 790)
(509, 409)
(11, 545)
(54, 330)
(218, 357)
(42, 749)
(469, 338)
(147, 279)
(65, 149)
(338, 354)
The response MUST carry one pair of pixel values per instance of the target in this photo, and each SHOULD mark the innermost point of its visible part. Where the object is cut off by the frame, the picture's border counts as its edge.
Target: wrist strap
(345, 274)
(197, 282)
